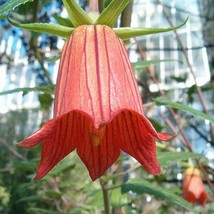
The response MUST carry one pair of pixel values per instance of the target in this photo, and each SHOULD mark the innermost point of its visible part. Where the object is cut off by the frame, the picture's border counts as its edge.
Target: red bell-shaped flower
(98, 108)
(193, 188)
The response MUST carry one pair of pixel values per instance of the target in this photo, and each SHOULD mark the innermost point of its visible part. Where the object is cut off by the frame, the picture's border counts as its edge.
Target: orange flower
(98, 108)
(193, 188)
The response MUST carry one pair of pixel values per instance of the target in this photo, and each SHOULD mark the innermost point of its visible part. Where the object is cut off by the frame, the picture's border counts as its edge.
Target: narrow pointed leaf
(45, 89)
(63, 21)
(167, 158)
(10, 5)
(182, 107)
(110, 14)
(127, 32)
(144, 64)
(57, 30)
(77, 15)
(142, 186)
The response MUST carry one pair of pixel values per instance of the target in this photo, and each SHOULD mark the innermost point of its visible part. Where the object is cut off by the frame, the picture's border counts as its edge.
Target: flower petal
(190, 197)
(39, 135)
(136, 140)
(98, 158)
(94, 75)
(65, 138)
(202, 199)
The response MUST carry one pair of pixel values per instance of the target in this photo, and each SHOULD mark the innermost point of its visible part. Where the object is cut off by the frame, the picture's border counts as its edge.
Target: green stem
(35, 10)
(106, 197)
(101, 5)
(126, 15)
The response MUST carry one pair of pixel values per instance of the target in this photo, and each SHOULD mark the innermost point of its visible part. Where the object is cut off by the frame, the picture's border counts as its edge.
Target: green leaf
(77, 15)
(10, 5)
(111, 12)
(43, 3)
(45, 101)
(53, 193)
(107, 2)
(43, 211)
(142, 186)
(157, 125)
(118, 199)
(190, 93)
(167, 158)
(45, 89)
(62, 168)
(144, 64)
(94, 199)
(127, 32)
(182, 107)
(57, 30)
(29, 198)
(78, 210)
(63, 21)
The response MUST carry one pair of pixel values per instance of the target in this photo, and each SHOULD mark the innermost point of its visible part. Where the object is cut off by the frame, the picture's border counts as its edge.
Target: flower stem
(126, 15)
(106, 197)
(101, 5)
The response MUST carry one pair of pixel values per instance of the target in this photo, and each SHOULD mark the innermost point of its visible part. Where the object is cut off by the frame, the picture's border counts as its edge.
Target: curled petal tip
(27, 143)
(39, 135)
(164, 136)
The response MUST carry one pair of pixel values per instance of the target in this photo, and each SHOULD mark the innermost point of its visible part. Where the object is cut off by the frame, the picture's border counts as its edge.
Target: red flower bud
(193, 188)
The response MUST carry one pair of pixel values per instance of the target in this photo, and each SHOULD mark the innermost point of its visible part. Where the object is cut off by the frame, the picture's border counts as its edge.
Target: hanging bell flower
(98, 109)
(193, 188)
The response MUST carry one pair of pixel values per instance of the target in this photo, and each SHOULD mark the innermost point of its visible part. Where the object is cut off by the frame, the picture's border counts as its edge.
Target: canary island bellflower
(98, 109)
(193, 188)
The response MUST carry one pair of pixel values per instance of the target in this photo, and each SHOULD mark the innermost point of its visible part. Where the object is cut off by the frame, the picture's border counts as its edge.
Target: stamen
(96, 135)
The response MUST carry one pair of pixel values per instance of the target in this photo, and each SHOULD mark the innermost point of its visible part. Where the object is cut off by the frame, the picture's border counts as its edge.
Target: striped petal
(100, 150)
(98, 109)
(96, 69)
(66, 135)
(136, 139)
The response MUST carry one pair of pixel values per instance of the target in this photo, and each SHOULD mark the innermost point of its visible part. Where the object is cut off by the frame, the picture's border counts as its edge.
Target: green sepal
(111, 12)
(127, 32)
(63, 21)
(77, 15)
(57, 30)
